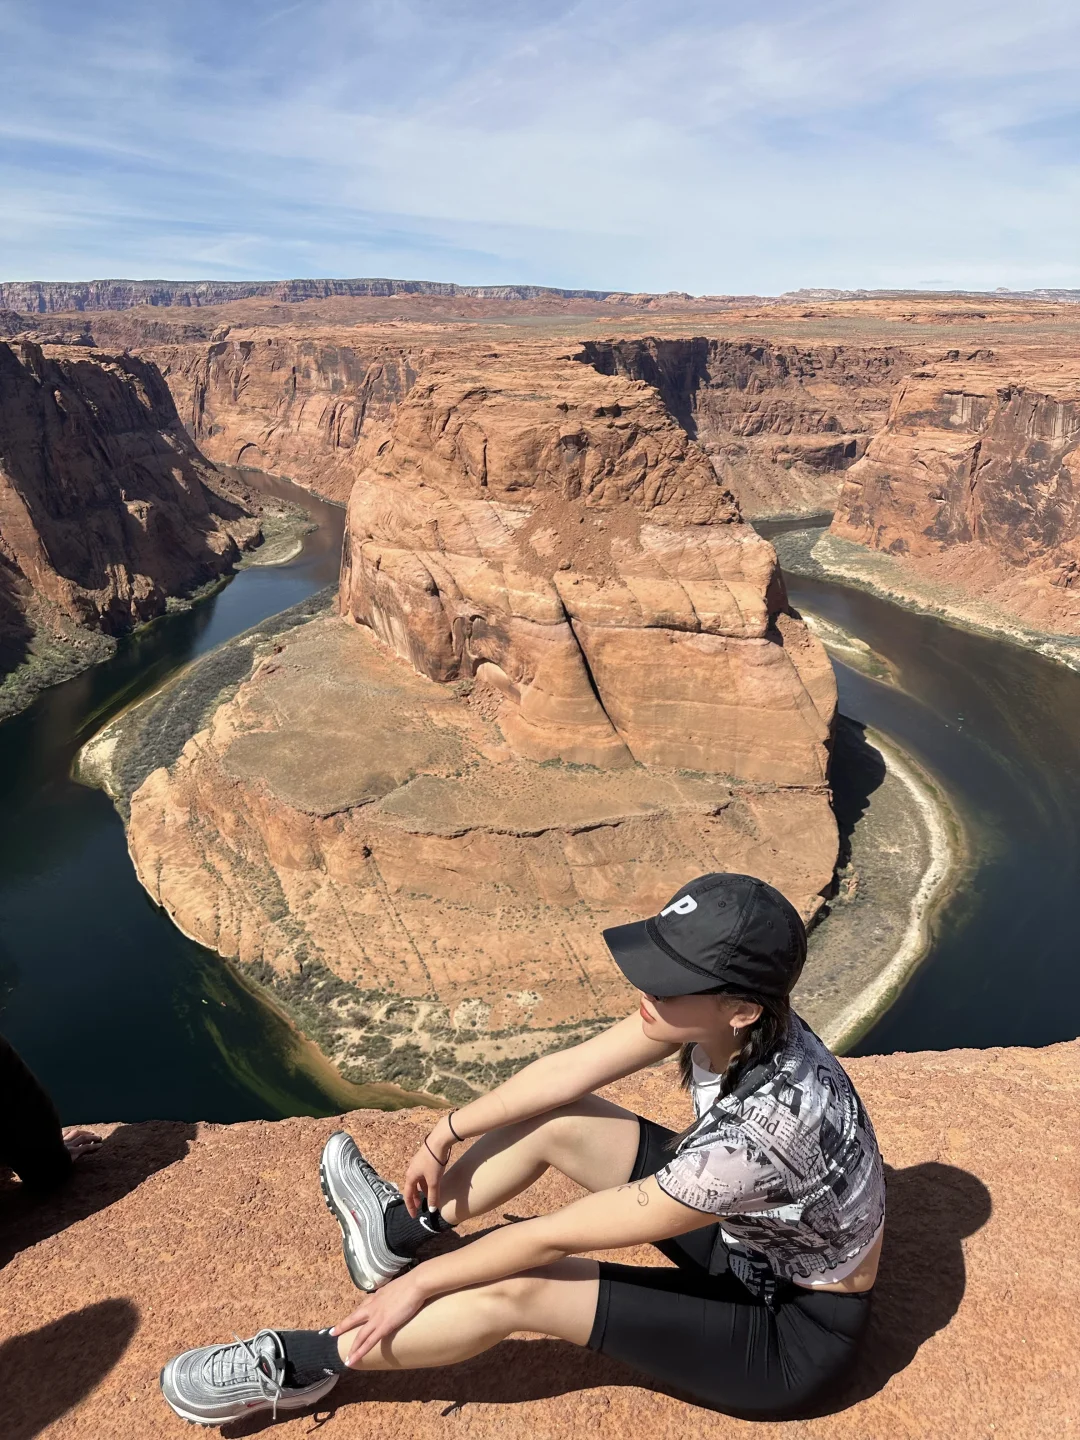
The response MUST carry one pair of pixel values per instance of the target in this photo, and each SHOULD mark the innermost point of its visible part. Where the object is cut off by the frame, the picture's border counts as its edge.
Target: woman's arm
(553, 1080)
(632, 1214)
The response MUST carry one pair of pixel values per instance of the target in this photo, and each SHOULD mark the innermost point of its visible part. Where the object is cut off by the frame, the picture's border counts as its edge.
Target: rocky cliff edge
(107, 510)
(974, 483)
(179, 1234)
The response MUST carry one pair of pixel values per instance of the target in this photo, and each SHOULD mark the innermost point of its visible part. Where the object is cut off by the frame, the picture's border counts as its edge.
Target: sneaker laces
(386, 1190)
(229, 1363)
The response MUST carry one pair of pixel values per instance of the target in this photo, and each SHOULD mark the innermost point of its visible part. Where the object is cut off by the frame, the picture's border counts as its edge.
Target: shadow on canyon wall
(856, 771)
(115, 514)
(932, 1208)
(15, 633)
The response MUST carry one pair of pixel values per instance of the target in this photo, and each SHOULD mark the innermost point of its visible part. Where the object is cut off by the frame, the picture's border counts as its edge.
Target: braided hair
(762, 1039)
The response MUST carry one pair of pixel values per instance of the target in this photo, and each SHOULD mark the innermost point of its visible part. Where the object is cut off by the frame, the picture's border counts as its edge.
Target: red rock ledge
(179, 1234)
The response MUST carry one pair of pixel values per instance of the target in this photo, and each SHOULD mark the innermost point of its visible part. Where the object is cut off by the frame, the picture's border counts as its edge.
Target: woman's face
(694, 1019)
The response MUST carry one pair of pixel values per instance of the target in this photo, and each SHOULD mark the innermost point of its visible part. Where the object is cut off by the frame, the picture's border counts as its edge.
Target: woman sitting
(770, 1204)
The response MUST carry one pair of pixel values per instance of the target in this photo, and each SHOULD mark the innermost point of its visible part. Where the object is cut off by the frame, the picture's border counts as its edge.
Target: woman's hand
(80, 1142)
(424, 1175)
(381, 1315)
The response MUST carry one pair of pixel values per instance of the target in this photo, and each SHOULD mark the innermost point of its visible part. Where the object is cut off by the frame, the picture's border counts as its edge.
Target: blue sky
(709, 147)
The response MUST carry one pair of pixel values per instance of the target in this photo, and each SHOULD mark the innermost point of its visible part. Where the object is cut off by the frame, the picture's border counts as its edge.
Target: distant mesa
(44, 297)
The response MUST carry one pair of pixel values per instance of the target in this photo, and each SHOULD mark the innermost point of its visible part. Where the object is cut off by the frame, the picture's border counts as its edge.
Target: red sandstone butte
(178, 1235)
(567, 678)
(556, 534)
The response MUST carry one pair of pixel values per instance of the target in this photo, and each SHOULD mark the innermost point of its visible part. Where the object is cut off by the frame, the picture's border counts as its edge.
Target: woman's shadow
(931, 1208)
(48, 1371)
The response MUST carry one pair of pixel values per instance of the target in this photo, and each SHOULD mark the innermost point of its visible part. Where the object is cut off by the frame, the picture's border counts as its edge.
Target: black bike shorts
(708, 1338)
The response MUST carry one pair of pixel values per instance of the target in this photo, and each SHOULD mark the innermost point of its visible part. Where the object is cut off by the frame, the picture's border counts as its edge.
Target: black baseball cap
(720, 931)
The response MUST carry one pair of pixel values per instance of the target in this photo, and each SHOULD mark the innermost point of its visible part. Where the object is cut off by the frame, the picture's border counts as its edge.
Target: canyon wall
(105, 509)
(957, 460)
(571, 681)
(294, 405)
(975, 480)
(12, 323)
(781, 422)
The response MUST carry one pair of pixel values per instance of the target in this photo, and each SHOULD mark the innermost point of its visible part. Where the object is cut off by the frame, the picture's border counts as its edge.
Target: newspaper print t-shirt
(793, 1169)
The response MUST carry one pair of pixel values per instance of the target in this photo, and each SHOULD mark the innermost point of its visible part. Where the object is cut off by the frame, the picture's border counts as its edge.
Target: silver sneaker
(219, 1383)
(358, 1198)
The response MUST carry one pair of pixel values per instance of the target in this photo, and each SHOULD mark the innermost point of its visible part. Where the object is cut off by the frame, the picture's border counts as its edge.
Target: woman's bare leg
(559, 1300)
(592, 1141)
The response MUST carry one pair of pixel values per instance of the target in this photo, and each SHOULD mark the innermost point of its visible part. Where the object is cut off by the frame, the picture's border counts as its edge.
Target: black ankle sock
(310, 1355)
(405, 1235)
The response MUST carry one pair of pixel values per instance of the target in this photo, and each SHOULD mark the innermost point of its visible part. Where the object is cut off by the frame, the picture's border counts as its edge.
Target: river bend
(124, 1018)
(121, 1016)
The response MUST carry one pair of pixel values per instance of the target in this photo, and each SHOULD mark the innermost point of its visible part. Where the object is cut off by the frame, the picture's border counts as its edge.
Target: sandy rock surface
(182, 1234)
(343, 811)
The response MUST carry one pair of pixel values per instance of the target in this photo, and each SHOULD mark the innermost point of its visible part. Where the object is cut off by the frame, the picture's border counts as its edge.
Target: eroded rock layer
(976, 479)
(555, 534)
(294, 405)
(105, 509)
(787, 401)
(781, 422)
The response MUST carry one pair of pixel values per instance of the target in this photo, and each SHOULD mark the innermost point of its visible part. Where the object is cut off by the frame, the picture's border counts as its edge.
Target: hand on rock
(80, 1142)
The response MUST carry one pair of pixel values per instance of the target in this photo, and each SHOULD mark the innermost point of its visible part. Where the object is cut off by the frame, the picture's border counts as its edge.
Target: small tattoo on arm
(642, 1197)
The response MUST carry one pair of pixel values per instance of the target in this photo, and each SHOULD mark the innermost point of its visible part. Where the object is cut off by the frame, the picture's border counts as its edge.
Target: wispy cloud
(599, 143)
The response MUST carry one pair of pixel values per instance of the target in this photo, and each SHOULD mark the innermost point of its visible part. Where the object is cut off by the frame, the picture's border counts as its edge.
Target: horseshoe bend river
(122, 1017)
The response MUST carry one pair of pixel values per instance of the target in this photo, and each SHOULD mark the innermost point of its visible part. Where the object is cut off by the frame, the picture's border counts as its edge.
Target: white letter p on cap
(682, 906)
